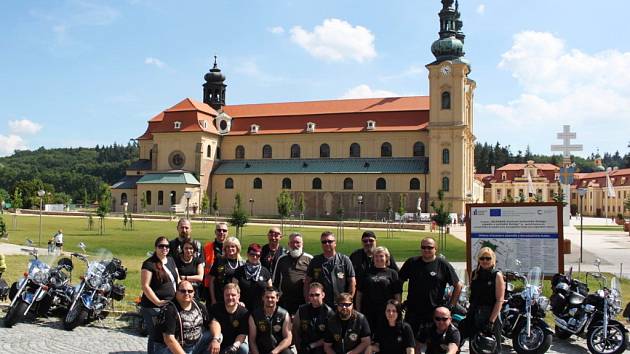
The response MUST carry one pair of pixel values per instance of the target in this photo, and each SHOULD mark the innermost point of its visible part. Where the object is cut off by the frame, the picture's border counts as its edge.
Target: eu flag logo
(495, 212)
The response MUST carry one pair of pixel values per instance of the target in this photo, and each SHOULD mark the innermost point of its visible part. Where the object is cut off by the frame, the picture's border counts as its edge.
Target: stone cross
(566, 135)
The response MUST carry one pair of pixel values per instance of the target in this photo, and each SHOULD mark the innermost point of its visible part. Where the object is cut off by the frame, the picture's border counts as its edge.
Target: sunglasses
(163, 246)
(344, 305)
(186, 291)
(368, 240)
(314, 295)
(441, 319)
(427, 247)
(327, 242)
(256, 255)
(485, 258)
(221, 230)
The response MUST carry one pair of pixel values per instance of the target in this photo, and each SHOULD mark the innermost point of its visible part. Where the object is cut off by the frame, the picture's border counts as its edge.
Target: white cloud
(560, 85)
(276, 30)
(336, 40)
(481, 9)
(364, 91)
(24, 126)
(10, 143)
(249, 67)
(154, 61)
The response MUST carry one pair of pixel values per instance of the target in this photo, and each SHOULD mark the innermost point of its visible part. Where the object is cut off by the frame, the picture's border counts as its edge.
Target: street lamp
(251, 206)
(582, 193)
(188, 195)
(40, 193)
(360, 202)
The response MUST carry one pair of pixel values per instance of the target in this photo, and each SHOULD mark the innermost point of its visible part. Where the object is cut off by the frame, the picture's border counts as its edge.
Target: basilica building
(355, 155)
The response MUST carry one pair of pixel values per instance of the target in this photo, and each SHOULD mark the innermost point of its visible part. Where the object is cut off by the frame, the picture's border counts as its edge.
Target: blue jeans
(149, 316)
(201, 347)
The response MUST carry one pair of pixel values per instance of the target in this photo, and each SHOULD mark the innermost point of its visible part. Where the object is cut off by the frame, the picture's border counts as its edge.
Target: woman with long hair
(487, 291)
(252, 278)
(159, 279)
(224, 267)
(190, 267)
(394, 336)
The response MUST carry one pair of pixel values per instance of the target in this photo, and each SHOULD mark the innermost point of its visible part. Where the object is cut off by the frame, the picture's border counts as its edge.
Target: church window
(148, 197)
(317, 183)
(173, 197)
(445, 184)
(209, 151)
(286, 183)
(355, 150)
(160, 198)
(386, 150)
(266, 152)
(229, 183)
(295, 151)
(414, 184)
(324, 150)
(446, 100)
(418, 149)
(348, 183)
(257, 183)
(177, 125)
(240, 152)
(503, 176)
(218, 154)
(381, 183)
(445, 156)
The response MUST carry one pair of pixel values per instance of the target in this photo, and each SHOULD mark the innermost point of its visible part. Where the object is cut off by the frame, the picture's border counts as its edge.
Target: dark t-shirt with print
(193, 322)
(232, 324)
(333, 273)
(394, 340)
(437, 343)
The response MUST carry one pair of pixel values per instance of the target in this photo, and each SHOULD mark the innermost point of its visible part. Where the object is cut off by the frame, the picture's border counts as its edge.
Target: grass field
(132, 246)
(600, 228)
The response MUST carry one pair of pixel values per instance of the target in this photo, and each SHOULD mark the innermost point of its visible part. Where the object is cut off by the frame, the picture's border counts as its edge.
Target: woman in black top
(252, 278)
(224, 267)
(159, 279)
(379, 284)
(394, 336)
(190, 267)
(487, 290)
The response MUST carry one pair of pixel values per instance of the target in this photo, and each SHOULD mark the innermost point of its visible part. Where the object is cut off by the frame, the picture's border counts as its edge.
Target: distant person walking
(58, 239)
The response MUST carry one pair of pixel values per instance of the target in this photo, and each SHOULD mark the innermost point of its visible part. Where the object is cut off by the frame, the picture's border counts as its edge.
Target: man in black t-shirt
(348, 330)
(362, 257)
(333, 270)
(272, 250)
(428, 276)
(230, 320)
(184, 230)
(440, 338)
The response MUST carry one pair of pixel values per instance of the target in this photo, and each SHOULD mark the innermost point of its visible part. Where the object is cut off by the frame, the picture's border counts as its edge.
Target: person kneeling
(442, 337)
(183, 325)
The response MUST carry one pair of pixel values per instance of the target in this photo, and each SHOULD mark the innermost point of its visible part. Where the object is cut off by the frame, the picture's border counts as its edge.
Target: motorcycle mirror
(149, 254)
(597, 262)
(29, 242)
(82, 246)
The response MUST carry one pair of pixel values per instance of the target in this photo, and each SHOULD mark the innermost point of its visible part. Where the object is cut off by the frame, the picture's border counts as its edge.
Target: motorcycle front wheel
(614, 343)
(537, 342)
(15, 313)
(75, 317)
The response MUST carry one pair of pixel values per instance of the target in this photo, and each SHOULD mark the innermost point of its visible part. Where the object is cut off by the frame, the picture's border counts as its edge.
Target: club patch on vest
(433, 274)
(340, 275)
(337, 338)
(277, 328)
(304, 325)
(262, 326)
(317, 272)
(353, 336)
(235, 323)
(322, 327)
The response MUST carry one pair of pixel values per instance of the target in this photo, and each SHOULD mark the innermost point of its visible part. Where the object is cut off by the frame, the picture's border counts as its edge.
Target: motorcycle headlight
(543, 302)
(94, 282)
(38, 276)
(589, 308)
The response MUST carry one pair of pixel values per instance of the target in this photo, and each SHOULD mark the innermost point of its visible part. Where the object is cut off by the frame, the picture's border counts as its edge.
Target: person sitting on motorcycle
(3, 264)
(487, 291)
(442, 337)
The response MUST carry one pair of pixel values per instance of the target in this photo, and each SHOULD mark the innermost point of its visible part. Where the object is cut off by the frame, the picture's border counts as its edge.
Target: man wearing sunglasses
(362, 257)
(311, 322)
(441, 337)
(331, 269)
(183, 324)
(428, 276)
(272, 251)
(212, 251)
(348, 330)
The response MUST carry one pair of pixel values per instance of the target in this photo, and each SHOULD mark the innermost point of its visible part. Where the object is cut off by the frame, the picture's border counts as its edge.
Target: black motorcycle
(523, 314)
(96, 291)
(589, 315)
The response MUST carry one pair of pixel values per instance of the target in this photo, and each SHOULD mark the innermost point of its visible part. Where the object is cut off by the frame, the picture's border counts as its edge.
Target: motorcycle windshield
(513, 264)
(99, 262)
(614, 286)
(534, 278)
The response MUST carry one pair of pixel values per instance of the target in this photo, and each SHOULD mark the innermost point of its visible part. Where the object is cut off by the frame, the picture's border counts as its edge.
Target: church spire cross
(566, 147)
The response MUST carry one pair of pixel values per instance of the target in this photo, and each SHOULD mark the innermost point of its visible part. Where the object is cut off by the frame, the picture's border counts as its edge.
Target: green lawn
(132, 246)
(601, 228)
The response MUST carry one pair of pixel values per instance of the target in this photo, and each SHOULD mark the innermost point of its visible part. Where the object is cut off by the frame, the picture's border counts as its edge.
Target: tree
(104, 205)
(143, 202)
(17, 198)
(521, 197)
(215, 204)
(441, 217)
(401, 206)
(3, 228)
(559, 197)
(239, 217)
(86, 201)
(301, 204)
(389, 206)
(285, 206)
(205, 204)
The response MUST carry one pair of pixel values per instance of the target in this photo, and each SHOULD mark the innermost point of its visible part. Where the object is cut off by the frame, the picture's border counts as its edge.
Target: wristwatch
(218, 339)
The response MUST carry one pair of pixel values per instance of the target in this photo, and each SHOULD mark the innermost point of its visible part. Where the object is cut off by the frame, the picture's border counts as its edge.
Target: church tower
(214, 88)
(451, 139)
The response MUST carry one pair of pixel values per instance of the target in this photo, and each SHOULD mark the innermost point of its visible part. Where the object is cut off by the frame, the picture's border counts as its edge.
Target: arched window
(240, 152)
(266, 152)
(445, 156)
(445, 184)
(446, 100)
(295, 151)
(257, 183)
(229, 183)
(173, 197)
(386, 150)
(414, 184)
(123, 198)
(148, 196)
(355, 150)
(209, 151)
(348, 183)
(381, 183)
(317, 183)
(286, 183)
(324, 150)
(160, 198)
(418, 149)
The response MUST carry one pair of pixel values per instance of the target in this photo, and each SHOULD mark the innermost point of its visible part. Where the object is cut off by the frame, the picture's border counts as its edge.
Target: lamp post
(40, 193)
(582, 193)
(251, 206)
(188, 195)
(360, 202)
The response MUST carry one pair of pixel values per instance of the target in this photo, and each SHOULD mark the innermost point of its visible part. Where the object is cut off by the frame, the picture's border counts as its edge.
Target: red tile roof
(520, 166)
(189, 112)
(599, 178)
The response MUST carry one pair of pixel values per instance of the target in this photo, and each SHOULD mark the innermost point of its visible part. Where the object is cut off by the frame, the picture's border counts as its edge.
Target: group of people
(207, 298)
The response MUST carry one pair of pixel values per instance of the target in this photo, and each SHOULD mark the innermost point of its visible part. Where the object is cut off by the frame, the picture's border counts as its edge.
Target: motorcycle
(589, 315)
(40, 288)
(97, 289)
(523, 314)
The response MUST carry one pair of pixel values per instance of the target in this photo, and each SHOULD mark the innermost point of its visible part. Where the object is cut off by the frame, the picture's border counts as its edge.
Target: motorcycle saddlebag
(118, 292)
(626, 312)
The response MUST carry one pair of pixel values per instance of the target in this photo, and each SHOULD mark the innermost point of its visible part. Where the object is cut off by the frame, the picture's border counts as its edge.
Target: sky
(82, 72)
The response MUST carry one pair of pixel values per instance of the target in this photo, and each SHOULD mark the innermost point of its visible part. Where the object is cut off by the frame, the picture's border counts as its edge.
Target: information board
(528, 232)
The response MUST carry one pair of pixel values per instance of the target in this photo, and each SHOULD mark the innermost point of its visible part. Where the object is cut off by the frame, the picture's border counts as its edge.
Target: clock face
(445, 70)
(177, 160)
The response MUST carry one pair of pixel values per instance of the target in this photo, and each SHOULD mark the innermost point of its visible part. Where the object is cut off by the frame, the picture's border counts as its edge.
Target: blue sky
(81, 73)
